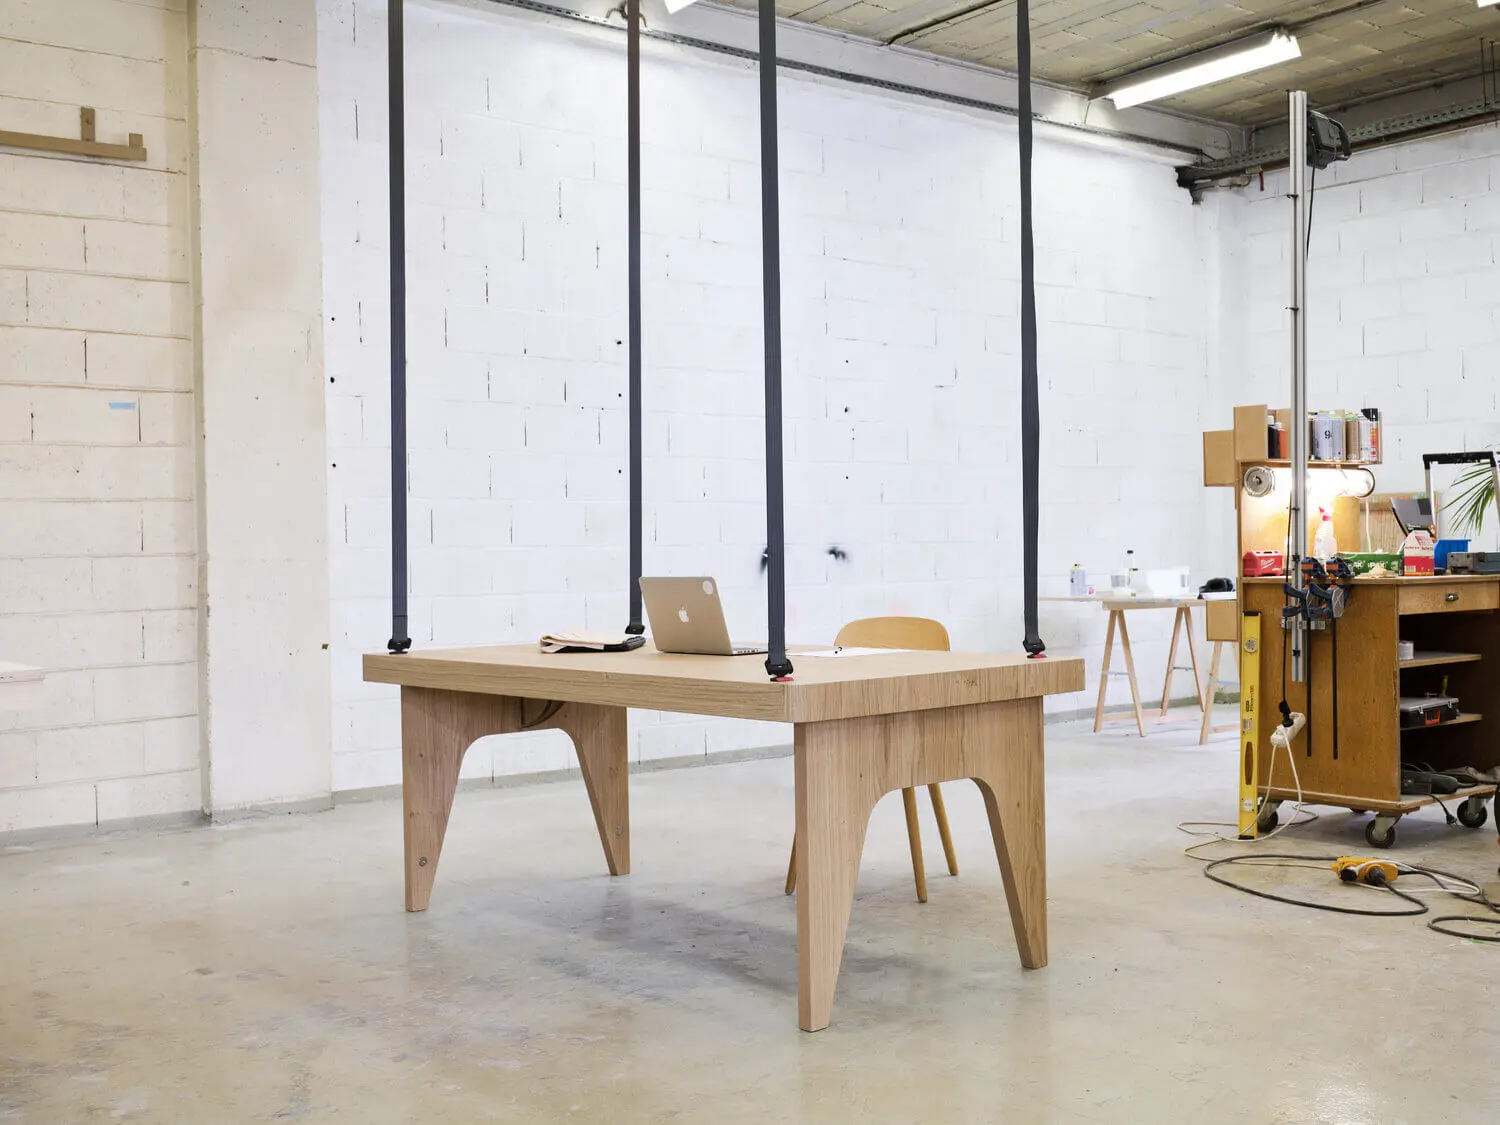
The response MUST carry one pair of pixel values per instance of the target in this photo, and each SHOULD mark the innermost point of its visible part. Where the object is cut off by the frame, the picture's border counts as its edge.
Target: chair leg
(914, 836)
(791, 867)
(941, 813)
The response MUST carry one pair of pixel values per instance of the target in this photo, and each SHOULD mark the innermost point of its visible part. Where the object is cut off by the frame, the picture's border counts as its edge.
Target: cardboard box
(1417, 553)
(1250, 442)
(1220, 469)
(1222, 619)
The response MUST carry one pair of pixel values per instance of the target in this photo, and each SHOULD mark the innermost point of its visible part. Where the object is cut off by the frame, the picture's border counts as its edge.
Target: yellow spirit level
(1249, 725)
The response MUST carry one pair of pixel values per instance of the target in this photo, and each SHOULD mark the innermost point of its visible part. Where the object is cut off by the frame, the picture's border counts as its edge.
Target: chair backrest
(894, 632)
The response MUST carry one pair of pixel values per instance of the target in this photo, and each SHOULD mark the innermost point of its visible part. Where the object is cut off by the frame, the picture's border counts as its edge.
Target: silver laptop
(686, 616)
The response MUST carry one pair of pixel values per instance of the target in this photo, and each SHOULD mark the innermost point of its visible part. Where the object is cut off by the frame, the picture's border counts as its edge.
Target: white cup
(1406, 650)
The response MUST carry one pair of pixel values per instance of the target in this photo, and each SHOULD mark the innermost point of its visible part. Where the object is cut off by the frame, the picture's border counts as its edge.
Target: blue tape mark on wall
(122, 406)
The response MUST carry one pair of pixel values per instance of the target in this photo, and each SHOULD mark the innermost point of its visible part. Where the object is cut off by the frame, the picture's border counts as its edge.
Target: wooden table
(863, 727)
(1118, 607)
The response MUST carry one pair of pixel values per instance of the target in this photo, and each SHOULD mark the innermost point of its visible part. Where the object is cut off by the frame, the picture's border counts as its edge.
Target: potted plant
(1473, 495)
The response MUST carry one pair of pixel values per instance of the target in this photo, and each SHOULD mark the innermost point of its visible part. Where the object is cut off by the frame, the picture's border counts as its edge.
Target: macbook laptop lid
(687, 616)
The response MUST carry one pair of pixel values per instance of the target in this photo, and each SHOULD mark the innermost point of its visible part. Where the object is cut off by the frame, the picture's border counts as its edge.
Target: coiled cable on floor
(1466, 890)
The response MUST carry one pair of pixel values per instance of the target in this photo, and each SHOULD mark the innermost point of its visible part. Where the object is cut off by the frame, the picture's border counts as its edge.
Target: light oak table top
(822, 688)
(1132, 601)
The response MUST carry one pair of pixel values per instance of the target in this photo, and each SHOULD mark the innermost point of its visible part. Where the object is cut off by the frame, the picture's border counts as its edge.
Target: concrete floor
(266, 971)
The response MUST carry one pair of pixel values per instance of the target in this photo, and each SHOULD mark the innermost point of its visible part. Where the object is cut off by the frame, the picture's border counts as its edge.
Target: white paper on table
(847, 650)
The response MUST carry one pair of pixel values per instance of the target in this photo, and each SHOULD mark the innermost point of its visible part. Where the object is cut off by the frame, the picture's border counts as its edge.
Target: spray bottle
(1325, 546)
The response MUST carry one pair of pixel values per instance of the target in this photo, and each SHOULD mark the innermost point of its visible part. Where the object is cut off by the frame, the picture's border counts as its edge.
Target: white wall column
(264, 554)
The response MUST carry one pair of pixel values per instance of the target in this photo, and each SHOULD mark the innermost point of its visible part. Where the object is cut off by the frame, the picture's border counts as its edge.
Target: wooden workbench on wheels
(1454, 623)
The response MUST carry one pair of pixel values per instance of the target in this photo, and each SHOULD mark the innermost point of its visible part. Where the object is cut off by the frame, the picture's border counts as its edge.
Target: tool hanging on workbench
(1321, 602)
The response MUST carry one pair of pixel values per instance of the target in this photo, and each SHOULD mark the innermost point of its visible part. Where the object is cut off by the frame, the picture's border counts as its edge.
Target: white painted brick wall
(900, 271)
(1403, 296)
(98, 572)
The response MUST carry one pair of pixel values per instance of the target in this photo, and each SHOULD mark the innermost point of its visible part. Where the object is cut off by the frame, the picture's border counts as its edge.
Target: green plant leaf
(1473, 493)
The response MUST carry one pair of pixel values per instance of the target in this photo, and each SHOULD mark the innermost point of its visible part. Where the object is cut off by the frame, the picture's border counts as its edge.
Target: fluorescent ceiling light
(675, 6)
(1204, 68)
(1488, 3)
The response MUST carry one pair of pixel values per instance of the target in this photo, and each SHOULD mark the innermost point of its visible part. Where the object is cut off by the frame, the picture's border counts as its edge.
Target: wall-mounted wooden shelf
(86, 144)
(1274, 463)
(1458, 722)
(1430, 659)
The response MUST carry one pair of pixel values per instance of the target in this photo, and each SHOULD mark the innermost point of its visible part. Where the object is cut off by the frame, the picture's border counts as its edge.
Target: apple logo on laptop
(682, 615)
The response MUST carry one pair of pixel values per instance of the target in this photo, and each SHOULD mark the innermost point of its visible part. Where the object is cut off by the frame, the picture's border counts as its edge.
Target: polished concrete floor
(266, 972)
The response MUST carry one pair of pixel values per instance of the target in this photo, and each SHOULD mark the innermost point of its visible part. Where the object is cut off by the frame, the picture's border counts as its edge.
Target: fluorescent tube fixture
(1488, 3)
(1204, 68)
(675, 6)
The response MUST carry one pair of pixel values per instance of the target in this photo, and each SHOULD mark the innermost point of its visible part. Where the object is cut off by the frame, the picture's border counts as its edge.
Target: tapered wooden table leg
(1192, 640)
(833, 811)
(1135, 690)
(844, 766)
(1012, 784)
(1109, 647)
(437, 729)
(1207, 697)
(599, 735)
(1166, 688)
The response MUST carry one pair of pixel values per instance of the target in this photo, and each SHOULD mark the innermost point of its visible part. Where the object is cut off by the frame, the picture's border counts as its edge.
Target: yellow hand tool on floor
(1249, 725)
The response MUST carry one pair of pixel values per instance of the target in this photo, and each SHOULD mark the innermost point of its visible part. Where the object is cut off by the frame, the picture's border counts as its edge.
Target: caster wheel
(1472, 813)
(1268, 821)
(1356, 812)
(1380, 833)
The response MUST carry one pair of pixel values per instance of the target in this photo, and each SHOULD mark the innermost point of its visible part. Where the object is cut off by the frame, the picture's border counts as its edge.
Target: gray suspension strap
(778, 667)
(1031, 423)
(633, 239)
(396, 69)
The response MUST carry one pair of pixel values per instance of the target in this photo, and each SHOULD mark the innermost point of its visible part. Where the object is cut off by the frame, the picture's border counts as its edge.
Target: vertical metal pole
(777, 664)
(1297, 190)
(1031, 423)
(633, 240)
(396, 74)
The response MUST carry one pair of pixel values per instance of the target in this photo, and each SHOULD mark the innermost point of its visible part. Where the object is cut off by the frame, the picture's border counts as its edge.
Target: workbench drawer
(1448, 597)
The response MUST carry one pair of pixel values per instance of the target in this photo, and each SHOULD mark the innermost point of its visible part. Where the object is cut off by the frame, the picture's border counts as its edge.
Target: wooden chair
(899, 632)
